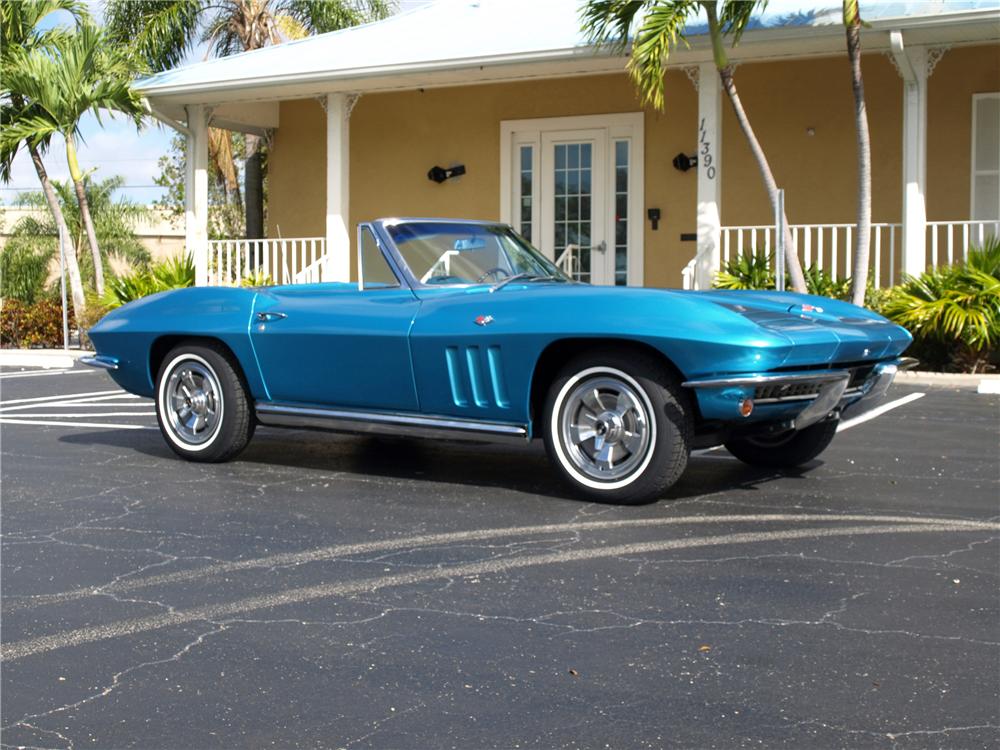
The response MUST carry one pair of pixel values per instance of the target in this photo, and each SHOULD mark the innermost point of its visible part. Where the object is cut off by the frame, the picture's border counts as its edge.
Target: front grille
(785, 391)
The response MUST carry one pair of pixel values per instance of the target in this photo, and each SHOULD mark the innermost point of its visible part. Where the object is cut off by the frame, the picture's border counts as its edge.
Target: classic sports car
(461, 329)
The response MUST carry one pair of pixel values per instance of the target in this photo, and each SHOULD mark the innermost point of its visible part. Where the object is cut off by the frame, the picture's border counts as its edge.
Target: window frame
(387, 257)
(973, 171)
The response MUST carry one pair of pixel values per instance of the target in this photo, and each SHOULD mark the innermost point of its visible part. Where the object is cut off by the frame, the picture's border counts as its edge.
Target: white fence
(830, 247)
(299, 260)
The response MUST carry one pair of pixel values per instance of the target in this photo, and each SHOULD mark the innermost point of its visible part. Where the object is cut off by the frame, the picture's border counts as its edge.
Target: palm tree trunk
(859, 279)
(254, 189)
(792, 264)
(88, 223)
(72, 265)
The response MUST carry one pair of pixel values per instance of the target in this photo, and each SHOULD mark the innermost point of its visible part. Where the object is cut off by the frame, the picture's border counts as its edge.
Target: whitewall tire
(202, 405)
(617, 426)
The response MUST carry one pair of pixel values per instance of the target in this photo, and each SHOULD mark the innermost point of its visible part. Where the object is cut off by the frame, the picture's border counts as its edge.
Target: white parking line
(879, 411)
(46, 415)
(97, 402)
(48, 423)
(6, 375)
(61, 397)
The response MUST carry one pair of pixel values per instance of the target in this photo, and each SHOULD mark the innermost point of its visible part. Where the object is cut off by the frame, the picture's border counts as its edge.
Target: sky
(117, 148)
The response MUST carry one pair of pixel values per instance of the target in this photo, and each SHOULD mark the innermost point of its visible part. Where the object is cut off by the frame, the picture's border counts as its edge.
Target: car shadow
(522, 468)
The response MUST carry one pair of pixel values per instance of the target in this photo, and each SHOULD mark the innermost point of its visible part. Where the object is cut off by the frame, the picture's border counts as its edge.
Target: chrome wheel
(191, 401)
(605, 428)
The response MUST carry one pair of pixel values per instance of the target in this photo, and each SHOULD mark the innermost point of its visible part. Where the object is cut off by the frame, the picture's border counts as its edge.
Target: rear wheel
(616, 426)
(202, 405)
(786, 450)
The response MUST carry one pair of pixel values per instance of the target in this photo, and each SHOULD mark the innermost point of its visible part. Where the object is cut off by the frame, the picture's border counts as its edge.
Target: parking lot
(337, 591)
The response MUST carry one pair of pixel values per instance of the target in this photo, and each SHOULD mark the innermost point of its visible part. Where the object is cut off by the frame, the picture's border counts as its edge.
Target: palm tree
(609, 22)
(114, 223)
(19, 36)
(163, 31)
(859, 278)
(79, 74)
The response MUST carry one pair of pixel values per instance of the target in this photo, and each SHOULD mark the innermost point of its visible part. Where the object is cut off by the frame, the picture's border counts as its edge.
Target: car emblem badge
(811, 308)
(483, 320)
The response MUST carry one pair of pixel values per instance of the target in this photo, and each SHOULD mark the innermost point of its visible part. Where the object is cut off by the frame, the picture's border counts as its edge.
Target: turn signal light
(746, 407)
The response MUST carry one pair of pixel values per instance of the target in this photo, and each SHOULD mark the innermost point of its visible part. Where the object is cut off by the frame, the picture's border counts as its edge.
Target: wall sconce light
(682, 162)
(440, 174)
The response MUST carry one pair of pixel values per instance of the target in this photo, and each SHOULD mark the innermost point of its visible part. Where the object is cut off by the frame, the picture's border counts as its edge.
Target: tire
(201, 384)
(631, 401)
(785, 451)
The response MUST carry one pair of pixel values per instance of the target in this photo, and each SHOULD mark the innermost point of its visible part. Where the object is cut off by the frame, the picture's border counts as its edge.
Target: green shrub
(953, 312)
(38, 324)
(24, 269)
(755, 272)
(174, 273)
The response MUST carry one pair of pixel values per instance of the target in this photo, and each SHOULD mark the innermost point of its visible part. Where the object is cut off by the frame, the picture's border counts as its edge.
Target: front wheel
(617, 427)
(202, 405)
(786, 450)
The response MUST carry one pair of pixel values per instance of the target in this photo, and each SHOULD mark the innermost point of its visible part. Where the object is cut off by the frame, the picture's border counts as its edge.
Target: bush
(24, 269)
(174, 273)
(754, 272)
(38, 324)
(953, 312)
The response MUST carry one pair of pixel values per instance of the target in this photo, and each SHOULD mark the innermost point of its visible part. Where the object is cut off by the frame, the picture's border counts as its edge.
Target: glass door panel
(573, 208)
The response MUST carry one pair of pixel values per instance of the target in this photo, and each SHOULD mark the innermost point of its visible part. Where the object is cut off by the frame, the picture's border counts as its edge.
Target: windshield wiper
(524, 276)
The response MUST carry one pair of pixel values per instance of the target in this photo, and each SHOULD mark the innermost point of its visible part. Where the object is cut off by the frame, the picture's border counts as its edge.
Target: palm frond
(160, 32)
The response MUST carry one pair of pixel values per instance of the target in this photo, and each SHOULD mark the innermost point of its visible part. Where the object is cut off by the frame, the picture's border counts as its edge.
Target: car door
(339, 344)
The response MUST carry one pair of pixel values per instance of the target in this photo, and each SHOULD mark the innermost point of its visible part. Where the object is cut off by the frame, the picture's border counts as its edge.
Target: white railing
(948, 242)
(569, 262)
(687, 274)
(296, 260)
(827, 247)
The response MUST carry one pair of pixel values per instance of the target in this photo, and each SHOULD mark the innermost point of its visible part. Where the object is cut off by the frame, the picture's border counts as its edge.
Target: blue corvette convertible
(461, 329)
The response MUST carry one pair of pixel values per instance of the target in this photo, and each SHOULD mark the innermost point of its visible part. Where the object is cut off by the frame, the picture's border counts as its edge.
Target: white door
(573, 203)
(573, 187)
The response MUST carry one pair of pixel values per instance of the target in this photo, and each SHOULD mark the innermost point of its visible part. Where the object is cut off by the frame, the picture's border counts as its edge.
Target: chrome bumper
(818, 394)
(100, 360)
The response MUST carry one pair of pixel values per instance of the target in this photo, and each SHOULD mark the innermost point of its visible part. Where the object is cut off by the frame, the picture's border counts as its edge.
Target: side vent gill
(476, 380)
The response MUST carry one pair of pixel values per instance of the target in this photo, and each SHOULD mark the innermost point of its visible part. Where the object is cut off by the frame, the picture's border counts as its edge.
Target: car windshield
(447, 253)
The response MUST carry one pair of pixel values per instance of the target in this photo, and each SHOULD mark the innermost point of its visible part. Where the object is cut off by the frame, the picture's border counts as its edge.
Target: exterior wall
(397, 137)
(296, 172)
(960, 74)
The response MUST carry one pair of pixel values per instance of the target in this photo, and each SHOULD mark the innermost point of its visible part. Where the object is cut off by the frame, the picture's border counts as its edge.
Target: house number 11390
(705, 154)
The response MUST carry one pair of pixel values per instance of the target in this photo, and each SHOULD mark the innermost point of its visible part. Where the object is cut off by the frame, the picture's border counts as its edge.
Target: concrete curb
(982, 383)
(45, 358)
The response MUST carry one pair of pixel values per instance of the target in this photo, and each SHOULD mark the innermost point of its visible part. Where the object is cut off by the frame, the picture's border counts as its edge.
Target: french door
(576, 193)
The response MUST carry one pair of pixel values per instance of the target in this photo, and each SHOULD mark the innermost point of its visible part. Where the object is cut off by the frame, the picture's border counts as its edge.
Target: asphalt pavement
(336, 591)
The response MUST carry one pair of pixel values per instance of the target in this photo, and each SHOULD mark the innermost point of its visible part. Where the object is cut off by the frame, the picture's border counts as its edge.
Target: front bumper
(796, 399)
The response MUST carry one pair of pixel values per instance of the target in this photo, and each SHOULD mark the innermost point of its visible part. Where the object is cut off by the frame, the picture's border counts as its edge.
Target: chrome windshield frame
(381, 229)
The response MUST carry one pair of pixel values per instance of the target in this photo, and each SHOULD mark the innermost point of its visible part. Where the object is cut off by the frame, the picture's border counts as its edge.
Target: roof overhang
(231, 95)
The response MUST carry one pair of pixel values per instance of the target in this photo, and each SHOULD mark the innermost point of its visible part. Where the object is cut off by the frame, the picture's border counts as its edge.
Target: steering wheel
(494, 272)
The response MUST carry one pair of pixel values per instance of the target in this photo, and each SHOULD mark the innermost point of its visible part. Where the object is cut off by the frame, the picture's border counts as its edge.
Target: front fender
(130, 332)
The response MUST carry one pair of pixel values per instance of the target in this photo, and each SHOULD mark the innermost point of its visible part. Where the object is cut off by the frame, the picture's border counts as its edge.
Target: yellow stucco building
(554, 141)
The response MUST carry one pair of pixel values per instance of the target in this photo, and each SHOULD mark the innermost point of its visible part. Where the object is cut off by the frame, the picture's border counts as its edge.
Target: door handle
(269, 317)
(602, 246)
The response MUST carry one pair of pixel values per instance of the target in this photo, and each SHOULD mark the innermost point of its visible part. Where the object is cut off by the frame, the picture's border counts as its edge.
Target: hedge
(24, 326)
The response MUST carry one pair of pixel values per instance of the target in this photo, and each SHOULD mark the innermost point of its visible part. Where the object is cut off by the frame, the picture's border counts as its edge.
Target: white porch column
(338, 176)
(912, 65)
(196, 191)
(709, 174)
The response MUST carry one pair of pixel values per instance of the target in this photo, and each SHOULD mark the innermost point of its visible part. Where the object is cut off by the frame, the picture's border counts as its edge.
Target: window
(374, 270)
(527, 187)
(621, 213)
(985, 200)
